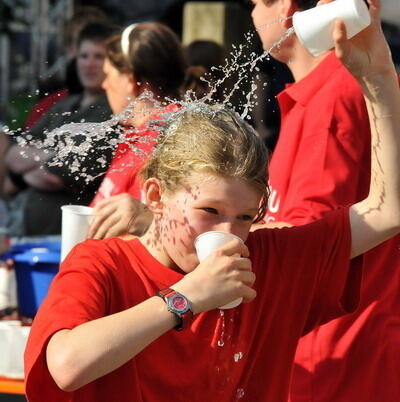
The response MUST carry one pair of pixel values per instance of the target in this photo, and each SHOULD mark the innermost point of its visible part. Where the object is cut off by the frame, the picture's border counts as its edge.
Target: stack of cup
(76, 220)
(314, 26)
(208, 242)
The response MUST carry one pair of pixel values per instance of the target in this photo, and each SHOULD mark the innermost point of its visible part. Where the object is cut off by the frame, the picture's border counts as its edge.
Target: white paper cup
(13, 338)
(208, 242)
(314, 27)
(76, 220)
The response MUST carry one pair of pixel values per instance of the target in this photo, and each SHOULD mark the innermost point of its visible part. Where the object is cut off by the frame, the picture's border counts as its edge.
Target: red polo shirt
(322, 160)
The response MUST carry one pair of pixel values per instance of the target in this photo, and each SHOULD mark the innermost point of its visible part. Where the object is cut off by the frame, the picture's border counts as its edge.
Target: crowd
(132, 315)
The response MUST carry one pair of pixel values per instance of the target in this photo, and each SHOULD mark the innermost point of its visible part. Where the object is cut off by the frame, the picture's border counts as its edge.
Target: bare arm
(91, 350)
(23, 159)
(43, 180)
(367, 56)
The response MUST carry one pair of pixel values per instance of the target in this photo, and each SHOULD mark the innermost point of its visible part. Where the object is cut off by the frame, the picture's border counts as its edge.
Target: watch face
(178, 303)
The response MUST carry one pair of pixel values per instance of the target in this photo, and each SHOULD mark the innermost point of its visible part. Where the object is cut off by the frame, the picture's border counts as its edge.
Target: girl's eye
(245, 218)
(211, 210)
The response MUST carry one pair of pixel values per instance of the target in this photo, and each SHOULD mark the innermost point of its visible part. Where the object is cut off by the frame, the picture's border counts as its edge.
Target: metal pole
(4, 68)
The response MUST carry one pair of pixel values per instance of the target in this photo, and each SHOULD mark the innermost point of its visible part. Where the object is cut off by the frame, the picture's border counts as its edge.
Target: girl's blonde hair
(209, 139)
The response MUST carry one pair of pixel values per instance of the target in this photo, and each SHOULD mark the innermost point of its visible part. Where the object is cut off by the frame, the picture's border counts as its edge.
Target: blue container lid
(38, 255)
(50, 245)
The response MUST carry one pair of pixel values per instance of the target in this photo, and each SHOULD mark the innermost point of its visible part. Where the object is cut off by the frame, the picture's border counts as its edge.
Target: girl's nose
(224, 227)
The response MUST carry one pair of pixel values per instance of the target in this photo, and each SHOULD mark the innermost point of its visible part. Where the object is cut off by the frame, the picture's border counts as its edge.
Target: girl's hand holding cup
(225, 275)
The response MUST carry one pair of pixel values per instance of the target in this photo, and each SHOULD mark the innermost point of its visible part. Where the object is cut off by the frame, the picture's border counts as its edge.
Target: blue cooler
(36, 265)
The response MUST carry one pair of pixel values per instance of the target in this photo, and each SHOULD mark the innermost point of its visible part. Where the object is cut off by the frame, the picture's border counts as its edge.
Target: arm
(368, 58)
(91, 350)
(42, 180)
(23, 159)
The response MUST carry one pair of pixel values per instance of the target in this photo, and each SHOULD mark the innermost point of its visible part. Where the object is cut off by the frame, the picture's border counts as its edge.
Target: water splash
(221, 341)
(73, 142)
(268, 24)
(237, 356)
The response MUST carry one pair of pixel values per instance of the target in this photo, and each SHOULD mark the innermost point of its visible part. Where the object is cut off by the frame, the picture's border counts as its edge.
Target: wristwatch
(178, 304)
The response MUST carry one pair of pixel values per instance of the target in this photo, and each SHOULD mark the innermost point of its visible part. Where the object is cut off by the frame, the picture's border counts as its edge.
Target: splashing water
(221, 339)
(268, 24)
(71, 143)
(237, 357)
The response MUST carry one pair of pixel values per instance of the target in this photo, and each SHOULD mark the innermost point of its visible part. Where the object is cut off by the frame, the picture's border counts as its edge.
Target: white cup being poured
(208, 242)
(314, 26)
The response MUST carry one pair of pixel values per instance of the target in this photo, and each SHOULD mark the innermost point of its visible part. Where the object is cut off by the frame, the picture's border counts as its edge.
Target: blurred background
(34, 41)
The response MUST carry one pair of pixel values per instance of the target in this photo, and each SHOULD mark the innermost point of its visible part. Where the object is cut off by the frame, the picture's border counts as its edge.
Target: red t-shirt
(322, 160)
(122, 175)
(304, 278)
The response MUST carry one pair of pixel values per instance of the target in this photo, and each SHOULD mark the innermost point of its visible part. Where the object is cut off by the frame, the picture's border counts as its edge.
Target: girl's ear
(152, 192)
(288, 8)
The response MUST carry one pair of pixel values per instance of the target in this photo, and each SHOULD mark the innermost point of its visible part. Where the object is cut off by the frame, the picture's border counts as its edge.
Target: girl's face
(208, 202)
(118, 87)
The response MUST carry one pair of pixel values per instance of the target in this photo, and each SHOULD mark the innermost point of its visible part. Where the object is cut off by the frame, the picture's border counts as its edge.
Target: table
(11, 386)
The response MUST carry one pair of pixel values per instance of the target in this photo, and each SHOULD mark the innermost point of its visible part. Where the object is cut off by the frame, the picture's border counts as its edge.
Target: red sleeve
(333, 165)
(337, 289)
(78, 294)
(307, 270)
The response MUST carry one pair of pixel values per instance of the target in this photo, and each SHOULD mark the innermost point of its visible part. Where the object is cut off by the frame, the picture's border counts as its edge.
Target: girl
(107, 330)
(146, 66)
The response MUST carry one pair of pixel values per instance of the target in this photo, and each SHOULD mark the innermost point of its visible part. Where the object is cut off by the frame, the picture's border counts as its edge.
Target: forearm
(42, 180)
(381, 209)
(23, 159)
(91, 350)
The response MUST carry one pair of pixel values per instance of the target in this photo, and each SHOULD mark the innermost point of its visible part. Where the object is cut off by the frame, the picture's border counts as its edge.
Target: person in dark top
(46, 185)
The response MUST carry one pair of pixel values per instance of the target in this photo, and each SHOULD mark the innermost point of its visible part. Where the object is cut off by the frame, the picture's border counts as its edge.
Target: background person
(146, 65)
(322, 161)
(82, 16)
(44, 188)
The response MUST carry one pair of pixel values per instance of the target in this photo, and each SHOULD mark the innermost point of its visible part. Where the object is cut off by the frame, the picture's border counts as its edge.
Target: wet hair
(301, 4)
(155, 56)
(98, 32)
(209, 139)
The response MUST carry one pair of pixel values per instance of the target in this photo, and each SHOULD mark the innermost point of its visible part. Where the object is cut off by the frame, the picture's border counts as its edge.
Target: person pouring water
(322, 161)
(107, 330)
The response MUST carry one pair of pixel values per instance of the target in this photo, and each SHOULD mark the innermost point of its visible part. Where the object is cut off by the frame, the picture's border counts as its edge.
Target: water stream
(70, 143)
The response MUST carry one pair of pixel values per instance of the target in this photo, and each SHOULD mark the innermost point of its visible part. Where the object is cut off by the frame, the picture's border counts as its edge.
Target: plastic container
(314, 26)
(35, 268)
(206, 243)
